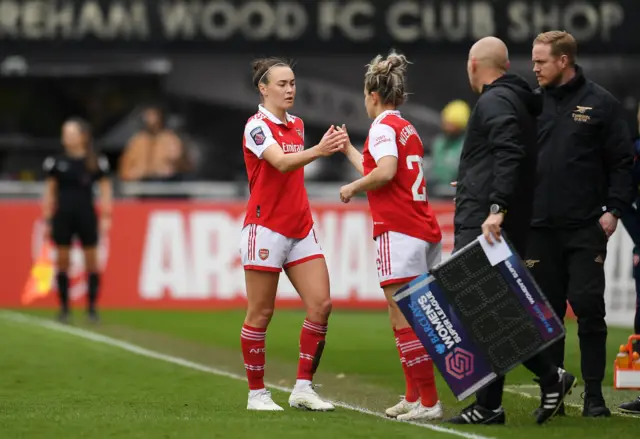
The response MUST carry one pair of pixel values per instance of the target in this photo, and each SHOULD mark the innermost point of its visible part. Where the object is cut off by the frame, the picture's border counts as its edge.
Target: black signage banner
(307, 26)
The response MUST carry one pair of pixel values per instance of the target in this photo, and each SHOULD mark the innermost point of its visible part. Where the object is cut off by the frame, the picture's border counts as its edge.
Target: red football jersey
(401, 205)
(277, 201)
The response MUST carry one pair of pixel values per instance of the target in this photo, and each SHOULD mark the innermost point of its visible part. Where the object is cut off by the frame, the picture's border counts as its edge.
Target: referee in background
(495, 190)
(68, 209)
(583, 186)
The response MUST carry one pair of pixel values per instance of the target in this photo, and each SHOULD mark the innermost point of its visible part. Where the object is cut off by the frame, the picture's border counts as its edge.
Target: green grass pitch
(169, 374)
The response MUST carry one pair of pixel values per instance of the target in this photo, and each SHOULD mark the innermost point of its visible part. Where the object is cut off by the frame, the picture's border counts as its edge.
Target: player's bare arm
(332, 142)
(352, 153)
(379, 177)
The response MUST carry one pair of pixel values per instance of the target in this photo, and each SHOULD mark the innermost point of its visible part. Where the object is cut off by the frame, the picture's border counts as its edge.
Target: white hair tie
(269, 69)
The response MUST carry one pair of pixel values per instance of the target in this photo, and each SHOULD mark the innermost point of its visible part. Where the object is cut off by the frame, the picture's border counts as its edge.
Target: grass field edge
(144, 352)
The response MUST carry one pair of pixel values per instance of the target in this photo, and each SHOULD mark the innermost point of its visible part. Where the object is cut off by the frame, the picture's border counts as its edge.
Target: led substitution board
(479, 314)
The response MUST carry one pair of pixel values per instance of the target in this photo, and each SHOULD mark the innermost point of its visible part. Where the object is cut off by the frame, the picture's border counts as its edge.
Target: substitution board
(479, 314)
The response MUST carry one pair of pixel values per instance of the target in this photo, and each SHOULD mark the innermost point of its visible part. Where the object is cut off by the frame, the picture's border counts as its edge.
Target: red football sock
(411, 393)
(419, 365)
(310, 336)
(253, 351)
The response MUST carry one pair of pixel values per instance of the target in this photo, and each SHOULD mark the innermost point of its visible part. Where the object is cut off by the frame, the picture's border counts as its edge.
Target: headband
(269, 69)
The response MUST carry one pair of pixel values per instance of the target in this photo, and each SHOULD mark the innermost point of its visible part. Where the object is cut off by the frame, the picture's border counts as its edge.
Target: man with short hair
(494, 190)
(583, 186)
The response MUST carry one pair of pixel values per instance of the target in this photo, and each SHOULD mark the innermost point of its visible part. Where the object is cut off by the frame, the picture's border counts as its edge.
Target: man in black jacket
(495, 185)
(583, 186)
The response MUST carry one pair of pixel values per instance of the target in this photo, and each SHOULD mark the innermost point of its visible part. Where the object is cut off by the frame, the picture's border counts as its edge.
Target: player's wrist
(316, 151)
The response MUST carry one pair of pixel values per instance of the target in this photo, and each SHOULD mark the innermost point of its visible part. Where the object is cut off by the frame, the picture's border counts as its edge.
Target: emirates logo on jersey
(292, 147)
(263, 253)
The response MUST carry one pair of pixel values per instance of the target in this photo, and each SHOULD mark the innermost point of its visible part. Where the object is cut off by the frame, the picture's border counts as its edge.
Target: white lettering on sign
(411, 21)
(221, 20)
(195, 255)
(38, 20)
(335, 18)
(581, 19)
(359, 21)
(165, 258)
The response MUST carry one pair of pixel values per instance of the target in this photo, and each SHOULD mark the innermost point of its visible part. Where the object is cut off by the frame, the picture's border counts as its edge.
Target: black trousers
(568, 264)
(540, 365)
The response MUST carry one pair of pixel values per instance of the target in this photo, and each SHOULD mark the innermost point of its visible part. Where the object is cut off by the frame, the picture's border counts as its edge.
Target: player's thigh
(86, 228)
(262, 287)
(396, 318)
(262, 252)
(400, 259)
(61, 230)
(307, 270)
(262, 249)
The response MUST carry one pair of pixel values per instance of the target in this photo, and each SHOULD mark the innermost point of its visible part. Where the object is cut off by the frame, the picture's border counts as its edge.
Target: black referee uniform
(584, 169)
(74, 215)
(496, 174)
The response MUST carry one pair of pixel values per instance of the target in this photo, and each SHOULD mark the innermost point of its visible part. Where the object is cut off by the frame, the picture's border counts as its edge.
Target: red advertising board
(186, 255)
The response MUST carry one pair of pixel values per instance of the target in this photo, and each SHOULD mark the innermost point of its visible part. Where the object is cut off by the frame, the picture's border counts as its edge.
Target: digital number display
(491, 312)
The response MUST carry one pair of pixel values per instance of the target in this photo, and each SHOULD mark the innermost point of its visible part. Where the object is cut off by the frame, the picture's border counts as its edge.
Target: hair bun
(386, 76)
(397, 62)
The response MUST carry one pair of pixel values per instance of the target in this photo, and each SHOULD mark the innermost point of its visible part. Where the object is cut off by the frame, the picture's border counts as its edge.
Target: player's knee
(321, 310)
(62, 261)
(259, 317)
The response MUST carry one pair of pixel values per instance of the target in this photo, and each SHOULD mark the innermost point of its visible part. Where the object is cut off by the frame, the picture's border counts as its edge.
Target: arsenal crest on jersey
(263, 253)
(299, 131)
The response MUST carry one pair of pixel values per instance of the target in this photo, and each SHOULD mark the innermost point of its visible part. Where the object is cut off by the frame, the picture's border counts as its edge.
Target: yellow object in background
(40, 281)
(456, 113)
(622, 359)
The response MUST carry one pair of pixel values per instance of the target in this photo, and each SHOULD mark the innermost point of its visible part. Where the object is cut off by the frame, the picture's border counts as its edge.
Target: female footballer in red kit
(278, 234)
(404, 227)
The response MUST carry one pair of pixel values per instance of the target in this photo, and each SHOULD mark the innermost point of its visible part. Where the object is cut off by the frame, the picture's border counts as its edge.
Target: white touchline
(138, 350)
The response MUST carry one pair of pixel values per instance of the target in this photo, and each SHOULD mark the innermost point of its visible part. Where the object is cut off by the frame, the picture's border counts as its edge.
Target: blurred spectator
(447, 147)
(156, 153)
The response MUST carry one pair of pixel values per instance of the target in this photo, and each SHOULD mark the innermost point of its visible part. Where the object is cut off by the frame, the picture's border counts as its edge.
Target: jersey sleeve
(103, 167)
(258, 137)
(382, 141)
(49, 166)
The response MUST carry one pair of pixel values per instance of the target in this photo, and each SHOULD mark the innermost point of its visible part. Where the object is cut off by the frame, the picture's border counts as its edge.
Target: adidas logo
(599, 259)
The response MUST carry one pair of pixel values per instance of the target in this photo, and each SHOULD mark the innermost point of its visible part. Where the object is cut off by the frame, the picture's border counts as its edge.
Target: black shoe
(538, 411)
(475, 414)
(553, 396)
(595, 407)
(560, 412)
(632, 407)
